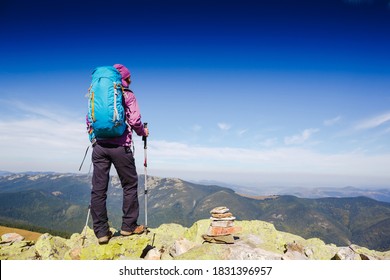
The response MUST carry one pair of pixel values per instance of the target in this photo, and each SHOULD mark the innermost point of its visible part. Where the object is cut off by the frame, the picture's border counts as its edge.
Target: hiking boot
(105, 239)
(138, 230)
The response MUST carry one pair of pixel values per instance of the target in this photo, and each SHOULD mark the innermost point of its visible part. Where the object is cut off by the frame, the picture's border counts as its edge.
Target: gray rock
(181, 246)
(346, 253)
(219, 210)
(153, 254)
(11, 237)
(294, 255)
(244, 251)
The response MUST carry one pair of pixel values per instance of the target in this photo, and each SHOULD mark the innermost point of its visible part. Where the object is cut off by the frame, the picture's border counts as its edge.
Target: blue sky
(257, 93)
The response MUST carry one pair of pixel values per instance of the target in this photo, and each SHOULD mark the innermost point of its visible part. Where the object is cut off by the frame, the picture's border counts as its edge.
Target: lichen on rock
(257, 240)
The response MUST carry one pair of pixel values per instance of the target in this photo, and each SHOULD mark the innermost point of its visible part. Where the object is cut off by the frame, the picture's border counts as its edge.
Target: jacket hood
(125, 73)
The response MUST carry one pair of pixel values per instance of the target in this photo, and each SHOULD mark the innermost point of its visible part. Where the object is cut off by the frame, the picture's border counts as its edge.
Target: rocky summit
(256, 240)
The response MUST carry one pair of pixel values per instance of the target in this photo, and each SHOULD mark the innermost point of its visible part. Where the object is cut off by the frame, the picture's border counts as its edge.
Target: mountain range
(377, 193)
(58, 203)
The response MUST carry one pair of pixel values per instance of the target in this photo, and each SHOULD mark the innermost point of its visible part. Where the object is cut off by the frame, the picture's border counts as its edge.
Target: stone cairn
(222, 226)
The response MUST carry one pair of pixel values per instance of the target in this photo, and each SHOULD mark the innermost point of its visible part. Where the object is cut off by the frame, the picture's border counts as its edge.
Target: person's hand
(146, 131)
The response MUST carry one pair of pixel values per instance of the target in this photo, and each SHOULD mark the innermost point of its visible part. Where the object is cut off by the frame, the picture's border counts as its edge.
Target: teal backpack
(105, 108)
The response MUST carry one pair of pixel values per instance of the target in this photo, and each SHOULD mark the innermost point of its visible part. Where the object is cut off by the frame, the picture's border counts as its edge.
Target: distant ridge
(377, 193)
(4, 173)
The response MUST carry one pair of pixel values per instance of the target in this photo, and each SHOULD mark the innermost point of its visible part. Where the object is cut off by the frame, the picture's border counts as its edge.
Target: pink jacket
(133, 119)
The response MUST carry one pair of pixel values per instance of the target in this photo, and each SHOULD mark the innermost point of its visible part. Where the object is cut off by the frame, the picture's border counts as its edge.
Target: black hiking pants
(123, 160)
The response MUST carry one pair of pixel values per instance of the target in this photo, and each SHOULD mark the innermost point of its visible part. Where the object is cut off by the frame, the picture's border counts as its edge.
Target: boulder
(50, 247)
(153, 254)
(181, 246)
(346, 253)
(11, 237)
(295, 251)
(21, 250)
(129, 248)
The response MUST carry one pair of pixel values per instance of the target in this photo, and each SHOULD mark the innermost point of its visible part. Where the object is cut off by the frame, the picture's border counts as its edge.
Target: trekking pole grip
(144, 138)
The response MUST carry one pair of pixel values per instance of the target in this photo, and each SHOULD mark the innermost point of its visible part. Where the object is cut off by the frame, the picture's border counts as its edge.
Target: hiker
(117, 151)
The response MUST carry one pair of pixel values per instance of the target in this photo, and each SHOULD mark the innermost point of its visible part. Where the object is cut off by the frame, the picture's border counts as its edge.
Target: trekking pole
(145, 139)
(89, 206)
(85, 155)
(86, 224)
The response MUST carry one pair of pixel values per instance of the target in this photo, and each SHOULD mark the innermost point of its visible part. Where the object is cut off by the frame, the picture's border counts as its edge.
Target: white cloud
(41, 139)
(300, 138)
(277, 159)
(55, 140)
(179, 158)
(333, 121)
(224, 126)
(241, 133)
(373, 122)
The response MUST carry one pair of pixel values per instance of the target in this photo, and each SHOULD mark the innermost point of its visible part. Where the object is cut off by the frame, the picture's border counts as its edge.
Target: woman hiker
(117, 151)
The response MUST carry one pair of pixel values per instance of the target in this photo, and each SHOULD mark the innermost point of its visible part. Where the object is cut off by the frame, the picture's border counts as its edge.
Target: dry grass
(28, 235)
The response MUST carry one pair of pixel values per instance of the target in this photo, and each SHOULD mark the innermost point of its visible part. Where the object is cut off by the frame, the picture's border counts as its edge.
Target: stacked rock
(222, 226)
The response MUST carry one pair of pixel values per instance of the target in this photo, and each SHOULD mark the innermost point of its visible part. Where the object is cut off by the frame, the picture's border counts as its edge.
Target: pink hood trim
(125, 73)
